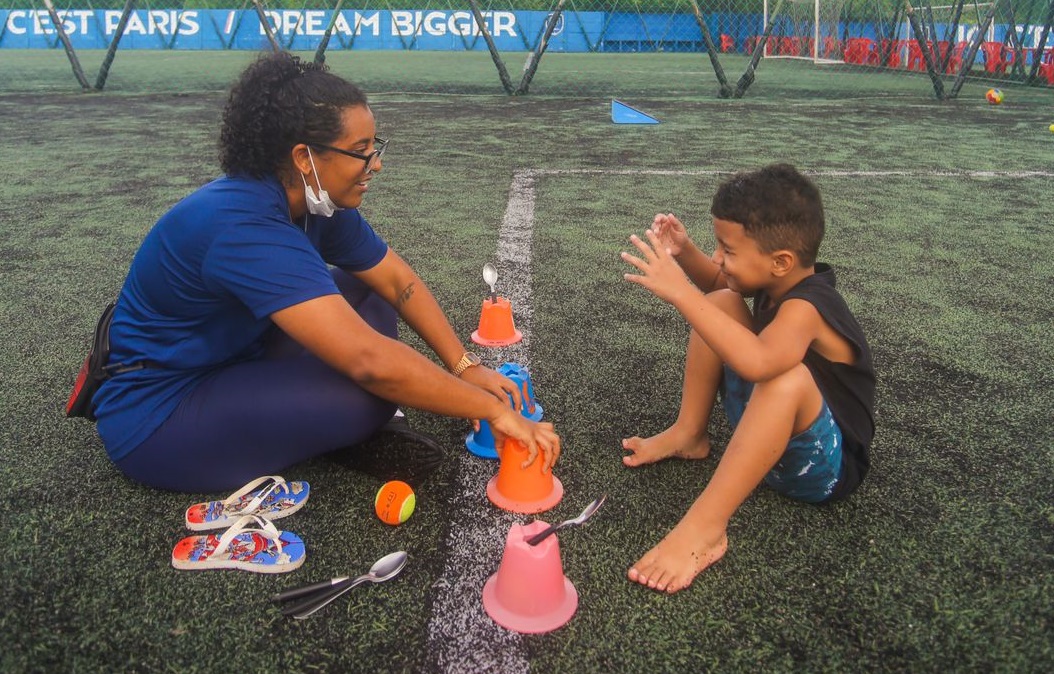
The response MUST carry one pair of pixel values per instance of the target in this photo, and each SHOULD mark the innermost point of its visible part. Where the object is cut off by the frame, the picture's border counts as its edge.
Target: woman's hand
(660, 273)
(671, 232)
(496, 384)
(536, 436)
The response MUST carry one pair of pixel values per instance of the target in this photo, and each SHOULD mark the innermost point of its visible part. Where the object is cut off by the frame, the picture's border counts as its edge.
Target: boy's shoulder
(819, 290)
(821, 283)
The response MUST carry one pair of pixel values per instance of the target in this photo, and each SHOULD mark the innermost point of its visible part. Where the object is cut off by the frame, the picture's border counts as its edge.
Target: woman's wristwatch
(468, 360)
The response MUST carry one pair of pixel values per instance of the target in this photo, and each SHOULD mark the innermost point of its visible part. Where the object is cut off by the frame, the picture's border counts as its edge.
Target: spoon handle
(306, 607)
(544, 534)
(304, 590)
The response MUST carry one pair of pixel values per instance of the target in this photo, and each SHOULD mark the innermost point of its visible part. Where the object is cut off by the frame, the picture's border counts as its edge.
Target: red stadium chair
(860, 50)
(955, 60)
(996, 57)
(752, 42)
(890, 55)
(1046, 65)
(915, 59)
(832, 47)
(789, 46)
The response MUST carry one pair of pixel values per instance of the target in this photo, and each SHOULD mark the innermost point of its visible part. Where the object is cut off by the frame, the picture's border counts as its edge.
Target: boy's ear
(783, 261)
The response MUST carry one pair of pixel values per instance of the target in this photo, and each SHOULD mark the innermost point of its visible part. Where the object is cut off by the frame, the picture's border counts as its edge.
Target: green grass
(941, 562)
(649, 75)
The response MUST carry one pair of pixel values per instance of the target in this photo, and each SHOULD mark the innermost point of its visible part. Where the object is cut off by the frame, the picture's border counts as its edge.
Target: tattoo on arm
(404, 296)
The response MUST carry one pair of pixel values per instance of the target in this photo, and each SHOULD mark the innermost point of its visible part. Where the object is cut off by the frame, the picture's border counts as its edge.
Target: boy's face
(742, 262)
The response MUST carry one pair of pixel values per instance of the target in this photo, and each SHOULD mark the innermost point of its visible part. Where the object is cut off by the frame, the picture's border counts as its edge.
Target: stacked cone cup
(481, 442)
(530, 593)
(523, 490)
(496, 327)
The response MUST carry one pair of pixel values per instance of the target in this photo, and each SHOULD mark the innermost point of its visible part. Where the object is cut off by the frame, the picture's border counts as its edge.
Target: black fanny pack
(95, 370)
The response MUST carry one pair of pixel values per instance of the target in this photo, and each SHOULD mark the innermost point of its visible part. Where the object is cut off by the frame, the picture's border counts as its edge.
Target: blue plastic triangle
(624, 114)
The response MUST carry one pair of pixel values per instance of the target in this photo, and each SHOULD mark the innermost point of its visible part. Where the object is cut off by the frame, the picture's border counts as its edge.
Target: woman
(255, 353)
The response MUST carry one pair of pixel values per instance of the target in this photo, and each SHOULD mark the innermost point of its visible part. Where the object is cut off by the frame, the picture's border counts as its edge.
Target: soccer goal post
(806, 29)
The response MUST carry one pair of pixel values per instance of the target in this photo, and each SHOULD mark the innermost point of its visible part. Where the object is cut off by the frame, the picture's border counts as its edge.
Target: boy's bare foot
(677, 559)
(671, 442)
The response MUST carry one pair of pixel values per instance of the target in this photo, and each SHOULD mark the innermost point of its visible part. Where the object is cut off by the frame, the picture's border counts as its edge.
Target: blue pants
(812, 463)
(260, 417)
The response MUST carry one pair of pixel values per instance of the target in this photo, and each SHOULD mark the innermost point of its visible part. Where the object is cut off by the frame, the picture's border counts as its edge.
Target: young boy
(795, 374)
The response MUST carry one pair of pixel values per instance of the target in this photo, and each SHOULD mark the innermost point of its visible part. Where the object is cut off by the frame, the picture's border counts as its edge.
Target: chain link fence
(658, 48)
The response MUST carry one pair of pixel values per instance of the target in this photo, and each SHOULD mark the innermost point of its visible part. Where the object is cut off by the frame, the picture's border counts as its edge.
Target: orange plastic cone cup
(530, 592)
(496, 327)
(523, 490)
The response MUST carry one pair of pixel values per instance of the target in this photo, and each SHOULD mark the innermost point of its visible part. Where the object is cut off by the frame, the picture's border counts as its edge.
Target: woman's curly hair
(278, 102)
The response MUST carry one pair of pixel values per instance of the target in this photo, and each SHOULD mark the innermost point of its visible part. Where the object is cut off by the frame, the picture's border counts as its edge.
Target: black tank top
(849, 390)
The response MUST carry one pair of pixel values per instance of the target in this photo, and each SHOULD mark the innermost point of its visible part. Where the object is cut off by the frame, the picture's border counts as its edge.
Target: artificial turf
(942, 560)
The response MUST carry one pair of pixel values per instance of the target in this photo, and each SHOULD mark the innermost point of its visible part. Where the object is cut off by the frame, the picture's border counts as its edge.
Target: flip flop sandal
(274, 501)
(261, 550)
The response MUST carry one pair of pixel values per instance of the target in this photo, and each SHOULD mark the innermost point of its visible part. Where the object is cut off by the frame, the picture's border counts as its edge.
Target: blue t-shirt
(201, 289)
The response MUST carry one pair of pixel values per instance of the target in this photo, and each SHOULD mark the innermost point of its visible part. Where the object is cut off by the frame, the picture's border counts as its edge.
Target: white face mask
(321, 204)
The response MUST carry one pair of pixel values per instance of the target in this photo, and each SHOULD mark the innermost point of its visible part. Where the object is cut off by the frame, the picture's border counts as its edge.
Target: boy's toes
(631, 445)
(636, 576)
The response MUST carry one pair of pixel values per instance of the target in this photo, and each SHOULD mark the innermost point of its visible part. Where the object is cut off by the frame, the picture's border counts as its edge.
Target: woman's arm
(329, 328)
(394, 280)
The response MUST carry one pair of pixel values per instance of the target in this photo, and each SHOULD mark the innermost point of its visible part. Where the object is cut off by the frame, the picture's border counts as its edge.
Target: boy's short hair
(777, 206)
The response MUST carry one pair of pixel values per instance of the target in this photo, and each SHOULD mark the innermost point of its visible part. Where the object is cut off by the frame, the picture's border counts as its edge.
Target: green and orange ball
(395, 502)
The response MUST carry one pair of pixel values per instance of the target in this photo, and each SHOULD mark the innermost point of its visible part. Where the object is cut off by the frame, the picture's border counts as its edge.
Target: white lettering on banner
(504, 22)
(11, 26)
(315, 22)
(110, 20)
(42, 24)
(283, 22)
(371, 22)
(294, 22)
(315, 25)
(403, 23)
(166, 22)
(407, 23)
(434, 23)
(73, 21)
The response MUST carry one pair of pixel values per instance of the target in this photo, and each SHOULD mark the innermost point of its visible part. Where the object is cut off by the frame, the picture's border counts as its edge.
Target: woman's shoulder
(234, 199)
(261, 191)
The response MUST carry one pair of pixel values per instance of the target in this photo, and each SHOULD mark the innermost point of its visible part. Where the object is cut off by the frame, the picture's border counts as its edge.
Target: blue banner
(425, 30)
(299, 30)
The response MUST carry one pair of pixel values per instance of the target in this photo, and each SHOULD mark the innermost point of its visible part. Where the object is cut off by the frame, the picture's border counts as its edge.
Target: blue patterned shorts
(812, 463)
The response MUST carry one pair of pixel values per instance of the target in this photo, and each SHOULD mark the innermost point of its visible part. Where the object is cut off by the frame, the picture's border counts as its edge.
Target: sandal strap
(277, 483)
(266, 529)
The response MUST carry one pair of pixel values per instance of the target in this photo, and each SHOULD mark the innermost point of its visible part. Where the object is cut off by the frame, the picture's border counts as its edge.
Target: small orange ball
(395, 502)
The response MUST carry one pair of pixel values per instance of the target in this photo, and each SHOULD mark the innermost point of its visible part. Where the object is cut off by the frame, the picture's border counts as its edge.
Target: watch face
(473, 358)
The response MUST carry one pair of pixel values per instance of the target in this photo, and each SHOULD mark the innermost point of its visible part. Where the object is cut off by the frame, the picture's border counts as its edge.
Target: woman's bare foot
(672, 442)
(677, 559)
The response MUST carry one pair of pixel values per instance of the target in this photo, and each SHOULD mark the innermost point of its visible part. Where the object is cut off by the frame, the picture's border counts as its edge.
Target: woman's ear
(301, 159)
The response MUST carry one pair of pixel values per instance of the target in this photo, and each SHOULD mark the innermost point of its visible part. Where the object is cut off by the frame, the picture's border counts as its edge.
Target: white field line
(461, 636)
(905, 173)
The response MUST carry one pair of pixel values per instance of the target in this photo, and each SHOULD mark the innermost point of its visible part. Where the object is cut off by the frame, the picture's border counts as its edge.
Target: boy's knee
(730, 302)
(796, 382)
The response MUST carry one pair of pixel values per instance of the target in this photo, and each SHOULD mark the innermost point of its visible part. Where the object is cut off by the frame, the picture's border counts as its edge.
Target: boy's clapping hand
(660, 273)
(671, 232)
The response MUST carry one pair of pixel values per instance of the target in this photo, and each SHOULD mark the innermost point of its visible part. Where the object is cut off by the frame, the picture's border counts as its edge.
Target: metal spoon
(383, 569)
(490, 276)
(586, 514)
